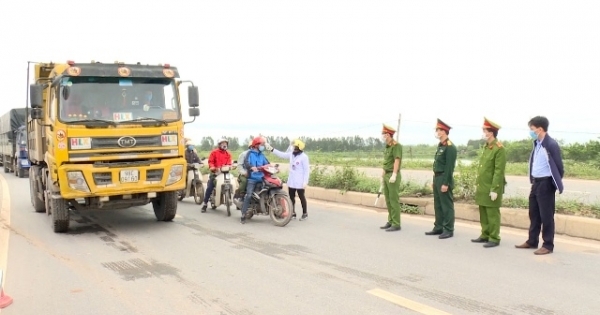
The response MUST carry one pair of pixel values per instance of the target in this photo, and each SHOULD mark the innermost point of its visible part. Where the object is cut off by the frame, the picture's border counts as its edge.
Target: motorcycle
(270, 198)
(224, 188)
(193, 186)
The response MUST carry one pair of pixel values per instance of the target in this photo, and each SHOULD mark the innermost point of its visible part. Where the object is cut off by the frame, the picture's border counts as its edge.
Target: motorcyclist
(190, 153)
(252, 162)
(217, 158)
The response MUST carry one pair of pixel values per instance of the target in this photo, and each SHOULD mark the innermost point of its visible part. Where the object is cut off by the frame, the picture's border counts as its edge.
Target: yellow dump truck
(106, 136)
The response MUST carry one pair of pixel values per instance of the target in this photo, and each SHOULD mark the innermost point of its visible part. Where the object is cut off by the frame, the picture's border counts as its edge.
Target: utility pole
(398, 128)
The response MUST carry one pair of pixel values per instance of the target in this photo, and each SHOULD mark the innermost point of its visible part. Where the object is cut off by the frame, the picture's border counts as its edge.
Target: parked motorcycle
(194, 186)
(270, 198)
(224, 188)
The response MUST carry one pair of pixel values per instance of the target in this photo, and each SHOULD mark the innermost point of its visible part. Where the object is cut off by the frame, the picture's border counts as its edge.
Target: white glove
(268, 147)
(393, 178)
(493, 195)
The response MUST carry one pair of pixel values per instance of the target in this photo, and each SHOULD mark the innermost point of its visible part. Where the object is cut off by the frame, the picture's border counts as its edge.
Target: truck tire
(60, 215)
(165, 206)
(38, 204)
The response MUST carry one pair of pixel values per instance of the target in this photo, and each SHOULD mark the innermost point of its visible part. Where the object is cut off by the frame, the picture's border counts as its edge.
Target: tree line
(517, 151)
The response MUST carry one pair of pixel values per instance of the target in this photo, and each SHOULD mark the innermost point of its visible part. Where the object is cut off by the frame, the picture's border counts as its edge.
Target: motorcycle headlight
(175, 174)
(77, 181)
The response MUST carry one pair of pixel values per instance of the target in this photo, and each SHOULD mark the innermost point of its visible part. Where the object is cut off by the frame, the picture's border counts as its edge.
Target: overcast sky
(335, 68)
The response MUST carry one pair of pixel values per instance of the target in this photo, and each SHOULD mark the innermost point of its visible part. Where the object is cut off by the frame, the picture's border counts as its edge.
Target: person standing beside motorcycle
(299, 173)
(190, 153)
(217, 158)
(252, 162)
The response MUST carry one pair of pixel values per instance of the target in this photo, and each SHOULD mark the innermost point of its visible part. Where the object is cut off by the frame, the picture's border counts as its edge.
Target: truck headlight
(175, 174)
(77, 181)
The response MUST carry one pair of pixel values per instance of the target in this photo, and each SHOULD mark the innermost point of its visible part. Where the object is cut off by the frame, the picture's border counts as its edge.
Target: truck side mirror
(36, 113)
(193, 97)
(194, 112)
(36, 95)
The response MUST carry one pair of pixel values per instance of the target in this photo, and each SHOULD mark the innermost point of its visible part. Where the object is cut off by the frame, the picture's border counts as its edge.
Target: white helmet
(189, 142)
(223, 140)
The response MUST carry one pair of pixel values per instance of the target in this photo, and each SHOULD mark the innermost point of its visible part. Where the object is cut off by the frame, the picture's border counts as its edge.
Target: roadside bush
(347, 178)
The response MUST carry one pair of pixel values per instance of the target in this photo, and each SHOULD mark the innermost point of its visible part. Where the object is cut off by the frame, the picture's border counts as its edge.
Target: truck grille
(105, 178)
(113, 142)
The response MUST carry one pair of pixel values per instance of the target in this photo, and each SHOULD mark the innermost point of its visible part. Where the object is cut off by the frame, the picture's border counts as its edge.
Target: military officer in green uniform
(490, 185)
(443, 183)
(392, 159)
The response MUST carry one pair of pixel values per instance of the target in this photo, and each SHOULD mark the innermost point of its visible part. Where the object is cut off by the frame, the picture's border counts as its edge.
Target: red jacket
(218, 158)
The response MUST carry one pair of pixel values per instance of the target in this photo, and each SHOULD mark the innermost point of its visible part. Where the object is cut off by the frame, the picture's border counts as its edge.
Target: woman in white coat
(299, 173)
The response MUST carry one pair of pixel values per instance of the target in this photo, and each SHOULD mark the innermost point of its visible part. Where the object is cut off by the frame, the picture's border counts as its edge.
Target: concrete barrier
(570, 225)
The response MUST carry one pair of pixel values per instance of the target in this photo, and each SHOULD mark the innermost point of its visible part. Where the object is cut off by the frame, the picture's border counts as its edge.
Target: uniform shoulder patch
(499, 144)
(448, 142)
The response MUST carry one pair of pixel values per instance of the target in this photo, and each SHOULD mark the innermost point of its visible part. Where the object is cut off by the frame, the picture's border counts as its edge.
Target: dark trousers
(302, 197)
(542, 201)
(210, 186)
(443, 205)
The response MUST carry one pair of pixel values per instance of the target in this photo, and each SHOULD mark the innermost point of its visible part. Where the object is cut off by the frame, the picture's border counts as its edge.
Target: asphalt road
(586, 191)
(336, 262)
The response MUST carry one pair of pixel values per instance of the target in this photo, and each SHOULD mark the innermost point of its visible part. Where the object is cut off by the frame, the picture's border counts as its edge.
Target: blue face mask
(261, 148)
(533, 135)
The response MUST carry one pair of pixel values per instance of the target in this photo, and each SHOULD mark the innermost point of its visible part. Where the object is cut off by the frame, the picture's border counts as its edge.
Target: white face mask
(484, 137)
(436, 135)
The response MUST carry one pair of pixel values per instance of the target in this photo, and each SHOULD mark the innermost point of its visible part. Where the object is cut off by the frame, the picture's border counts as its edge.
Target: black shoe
(433, 232)
(294, 216)
(446, 235)
(304, 216)
(243, 220)
(490, 244)
(386, 226)
(479, 240)
(204, 208)
(393, 229)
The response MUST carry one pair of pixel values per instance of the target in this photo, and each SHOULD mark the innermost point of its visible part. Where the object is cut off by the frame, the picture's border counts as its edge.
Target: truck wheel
(38, 204)
(60, 215)
(165, 206)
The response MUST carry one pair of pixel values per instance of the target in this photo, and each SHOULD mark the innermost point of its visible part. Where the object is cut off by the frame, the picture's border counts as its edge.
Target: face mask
(190, 147)
(224, 147)
(436, 135)
(383, 138)
(261, 148)
(533, 135)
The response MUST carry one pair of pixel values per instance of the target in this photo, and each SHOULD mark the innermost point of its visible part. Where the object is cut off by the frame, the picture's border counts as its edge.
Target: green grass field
(420, 162)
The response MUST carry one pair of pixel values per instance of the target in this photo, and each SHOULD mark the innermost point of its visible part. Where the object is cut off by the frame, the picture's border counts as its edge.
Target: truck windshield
(21, 136)
(117, 100)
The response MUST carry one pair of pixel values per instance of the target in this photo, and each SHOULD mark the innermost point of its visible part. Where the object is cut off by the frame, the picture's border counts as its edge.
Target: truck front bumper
(88, 180)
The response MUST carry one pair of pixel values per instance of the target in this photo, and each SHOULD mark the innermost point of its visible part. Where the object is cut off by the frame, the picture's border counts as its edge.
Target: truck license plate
(130, 176)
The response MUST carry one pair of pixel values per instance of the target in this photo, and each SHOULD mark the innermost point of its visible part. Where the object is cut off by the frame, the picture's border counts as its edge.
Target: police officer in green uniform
(490, 185)
(392, 158)
(443, 183)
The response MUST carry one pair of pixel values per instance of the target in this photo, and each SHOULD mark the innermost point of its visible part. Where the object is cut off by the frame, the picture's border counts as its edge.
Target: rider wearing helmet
(243, 174)
(252, 162)
(298, 173)
(190, 153)
(217, 158)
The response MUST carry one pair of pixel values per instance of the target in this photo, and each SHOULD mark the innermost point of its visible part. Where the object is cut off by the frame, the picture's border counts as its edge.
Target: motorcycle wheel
(281, 210)
(199, 193)
(228, 203)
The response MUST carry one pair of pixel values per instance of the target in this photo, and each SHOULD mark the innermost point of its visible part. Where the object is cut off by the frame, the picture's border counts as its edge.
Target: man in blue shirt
(546, 171)
(254, 159)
